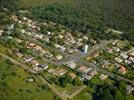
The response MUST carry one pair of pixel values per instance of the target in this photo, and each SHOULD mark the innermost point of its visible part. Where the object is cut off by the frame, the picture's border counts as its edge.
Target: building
(131, 53)
(59, 57)
(92, 73)
(37, 48)
(131, 59)
(27, 58)
(31, 45)
(122, 70)
(118, 60)
(16, 52)
(86, 77)
(93, 42)
(103, 77)
(61, 72)
(110, 50)
(73, 75)
(43, 66)
(116, 49)
(37, 69)
(83, 69)
(71, 65)
(85, 48)
(129, 89)
(96, 54)
(124, 56)
(34, 62)
(105, 64)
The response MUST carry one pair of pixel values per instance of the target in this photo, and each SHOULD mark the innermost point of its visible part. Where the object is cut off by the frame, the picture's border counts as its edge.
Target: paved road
(18, 63)
(62, 96)
(76, 92)
(101, 70)
(78, 57)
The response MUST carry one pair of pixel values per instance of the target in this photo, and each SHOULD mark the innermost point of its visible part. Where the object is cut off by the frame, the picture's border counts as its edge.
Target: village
(55, 52)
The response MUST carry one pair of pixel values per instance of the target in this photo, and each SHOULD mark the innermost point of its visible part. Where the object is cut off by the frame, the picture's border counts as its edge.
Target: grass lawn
(3, 49)
(111, 67)
(83, 95)
(14, 86)
(96, 80)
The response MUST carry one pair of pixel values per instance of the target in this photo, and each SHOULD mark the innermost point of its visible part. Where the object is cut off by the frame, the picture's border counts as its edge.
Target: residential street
(62, 96)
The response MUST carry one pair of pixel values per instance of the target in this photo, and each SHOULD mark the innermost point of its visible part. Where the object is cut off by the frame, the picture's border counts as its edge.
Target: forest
(83, 15)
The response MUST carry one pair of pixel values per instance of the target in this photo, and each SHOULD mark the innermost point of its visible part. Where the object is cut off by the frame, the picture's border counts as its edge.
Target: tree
(122, 86)
(119, 95)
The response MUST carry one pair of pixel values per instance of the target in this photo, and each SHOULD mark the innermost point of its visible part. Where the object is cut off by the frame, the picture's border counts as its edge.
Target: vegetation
(87, 16)
(13, 84)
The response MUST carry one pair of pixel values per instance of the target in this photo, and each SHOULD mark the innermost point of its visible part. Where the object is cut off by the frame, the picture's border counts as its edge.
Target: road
(61, 95)
(101, 70)
(78, 58)
(93, 66)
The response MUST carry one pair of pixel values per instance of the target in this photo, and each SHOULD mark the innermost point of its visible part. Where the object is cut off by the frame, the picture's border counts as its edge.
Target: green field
(13, 85)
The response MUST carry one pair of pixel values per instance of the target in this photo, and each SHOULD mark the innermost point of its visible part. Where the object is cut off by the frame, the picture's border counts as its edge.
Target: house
(115, 42)
(34, 62)
(31, 45)
(48, 33)
(57, 45)
(110, 50)
(86, 77)
(105, 64)
(37, 69)
(14, 18)
(62, 48)
(124, 56)
(96, 54)
(1, 32)
(118, 60)
(39, 36)
(17, 53)
(51, 71)
(18, 40)
(60, 36)
(92, 41)
(131, 59)
(71, 65)
(27, 58)
(48, 55)
(103, 77)
(73, 75)
(131, 53)
(42, 51)
(83, 69)
(85, 38)
(43, 66)
(116, 49)
(61, 72)
(80, 40)
(128, 61)
(122, 70)
(29, 80)
(24, 18)
(59, 57)
(129, 89)
(92, 73)
(37, 47)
